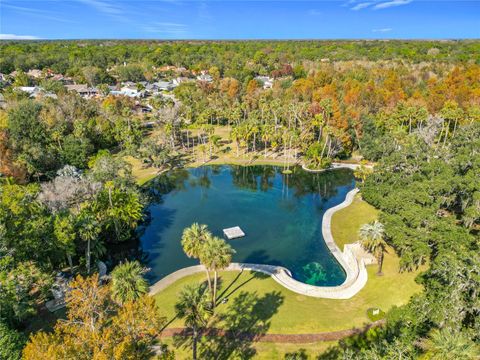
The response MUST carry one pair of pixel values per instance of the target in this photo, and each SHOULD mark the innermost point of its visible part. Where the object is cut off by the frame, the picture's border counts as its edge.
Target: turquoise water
(281, 216)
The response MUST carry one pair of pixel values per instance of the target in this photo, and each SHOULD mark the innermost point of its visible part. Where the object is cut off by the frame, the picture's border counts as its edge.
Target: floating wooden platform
(233, 232)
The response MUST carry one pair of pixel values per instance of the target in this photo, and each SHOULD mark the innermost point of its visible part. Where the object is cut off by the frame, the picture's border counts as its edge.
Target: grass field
(264, 350)
(142, 173)
(290, 313)
(346, 222)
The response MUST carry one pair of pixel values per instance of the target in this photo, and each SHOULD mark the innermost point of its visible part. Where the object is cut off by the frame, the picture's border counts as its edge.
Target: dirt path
(277, 338)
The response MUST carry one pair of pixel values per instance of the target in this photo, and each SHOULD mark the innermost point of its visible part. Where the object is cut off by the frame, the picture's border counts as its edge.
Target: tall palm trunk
(209, 281)
(70, 262)
(454, 128)
(87, 256)
(446, 133)
(380, 263)
(324, 147)
(194, 342)
(214, 299)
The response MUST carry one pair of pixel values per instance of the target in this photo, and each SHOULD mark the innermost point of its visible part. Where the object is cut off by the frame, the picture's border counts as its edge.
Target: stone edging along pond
(336, 165)
(353, 266)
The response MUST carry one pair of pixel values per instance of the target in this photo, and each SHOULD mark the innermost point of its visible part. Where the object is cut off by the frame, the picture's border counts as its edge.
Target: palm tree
(266, 137)
(235, 136)
(88, 229)
(372, 237)
(193, 239)
(447, 344)
(194, 307)
(127, 282)
(216, 255)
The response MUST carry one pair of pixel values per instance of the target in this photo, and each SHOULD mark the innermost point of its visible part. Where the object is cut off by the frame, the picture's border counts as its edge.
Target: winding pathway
(354, 266)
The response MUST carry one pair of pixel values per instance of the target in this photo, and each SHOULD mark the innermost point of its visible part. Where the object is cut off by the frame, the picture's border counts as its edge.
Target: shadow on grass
(366, 338)
(167, 324)
(246, 319)
(231, 288)
(242, 321)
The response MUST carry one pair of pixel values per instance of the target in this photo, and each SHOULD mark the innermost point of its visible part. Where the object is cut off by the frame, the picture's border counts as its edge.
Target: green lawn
(289, 313)
(142, 173)
(346, 222)
(264, 350)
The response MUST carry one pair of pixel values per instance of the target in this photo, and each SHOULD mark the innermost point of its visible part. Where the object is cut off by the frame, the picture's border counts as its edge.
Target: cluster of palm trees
(294, 127)
(197, 302)
(270, 124)
(213, 252)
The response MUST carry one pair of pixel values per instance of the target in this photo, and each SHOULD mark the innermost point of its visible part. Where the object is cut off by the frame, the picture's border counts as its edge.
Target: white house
(29, 89)
(128, 91)
(181, 79)
(164, 85)
(35, 91)
(267, 82)
(205, 78)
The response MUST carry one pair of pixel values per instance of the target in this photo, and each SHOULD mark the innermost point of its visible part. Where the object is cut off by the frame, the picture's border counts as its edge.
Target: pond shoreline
(356, 273)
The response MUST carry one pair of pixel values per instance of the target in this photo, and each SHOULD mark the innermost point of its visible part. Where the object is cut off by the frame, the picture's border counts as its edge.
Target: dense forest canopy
(411, 108)
(231, 57)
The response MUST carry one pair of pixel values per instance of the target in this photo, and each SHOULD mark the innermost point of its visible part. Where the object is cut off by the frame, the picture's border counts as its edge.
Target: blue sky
(172, 19)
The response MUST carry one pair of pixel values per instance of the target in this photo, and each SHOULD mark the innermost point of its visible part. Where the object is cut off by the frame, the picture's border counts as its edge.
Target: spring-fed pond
(281, 215)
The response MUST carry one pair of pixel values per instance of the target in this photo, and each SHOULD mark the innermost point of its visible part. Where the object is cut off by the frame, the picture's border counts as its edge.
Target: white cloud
(44, 14)
(18, 37)
(382, 30)
(103, 6)
(111, 9)
(361, 6)
(167, 28)
(375, 4)
(392, 3)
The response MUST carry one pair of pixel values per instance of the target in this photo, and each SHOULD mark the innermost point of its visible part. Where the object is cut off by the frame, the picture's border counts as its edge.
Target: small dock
(233, 232)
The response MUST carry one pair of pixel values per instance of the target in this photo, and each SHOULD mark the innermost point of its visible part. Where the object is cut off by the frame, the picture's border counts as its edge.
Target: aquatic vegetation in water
(314, 273)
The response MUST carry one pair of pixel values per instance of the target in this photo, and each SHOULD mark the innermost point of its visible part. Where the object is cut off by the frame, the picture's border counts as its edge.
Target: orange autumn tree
(97, 328)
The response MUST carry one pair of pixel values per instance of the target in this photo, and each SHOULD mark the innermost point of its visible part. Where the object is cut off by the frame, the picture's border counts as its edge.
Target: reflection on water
(280, 214)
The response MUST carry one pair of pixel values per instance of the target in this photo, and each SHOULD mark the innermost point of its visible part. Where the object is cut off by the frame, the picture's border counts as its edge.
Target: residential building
(266, 81)
(205, 78)
(82, 89)
(129, 91)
